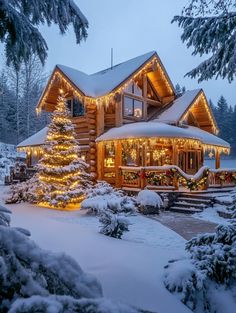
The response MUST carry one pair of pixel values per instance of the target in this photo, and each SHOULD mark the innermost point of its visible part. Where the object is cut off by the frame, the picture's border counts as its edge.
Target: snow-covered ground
(211, 215)
(130, 270)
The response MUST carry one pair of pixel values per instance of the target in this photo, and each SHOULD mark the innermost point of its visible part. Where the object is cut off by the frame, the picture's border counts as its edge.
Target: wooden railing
(173, 178)
(222, 178)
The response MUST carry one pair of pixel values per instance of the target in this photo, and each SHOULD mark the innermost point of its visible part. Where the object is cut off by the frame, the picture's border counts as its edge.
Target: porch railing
(222, 178)
(173, 178)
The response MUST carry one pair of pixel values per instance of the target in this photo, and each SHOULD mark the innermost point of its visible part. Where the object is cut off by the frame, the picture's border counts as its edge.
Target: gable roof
(37, 139)
(179, 106)
(176, 111)
(106, 81)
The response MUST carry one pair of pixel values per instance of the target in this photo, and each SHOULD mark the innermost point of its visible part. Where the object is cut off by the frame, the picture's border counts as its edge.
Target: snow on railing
(169, 176)
(222, 177)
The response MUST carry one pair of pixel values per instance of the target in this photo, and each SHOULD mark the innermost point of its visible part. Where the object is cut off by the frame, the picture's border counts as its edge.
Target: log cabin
(132, 128)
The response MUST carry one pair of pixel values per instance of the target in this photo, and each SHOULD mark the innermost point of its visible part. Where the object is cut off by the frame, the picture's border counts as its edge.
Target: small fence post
(142, 178)
(176, 181)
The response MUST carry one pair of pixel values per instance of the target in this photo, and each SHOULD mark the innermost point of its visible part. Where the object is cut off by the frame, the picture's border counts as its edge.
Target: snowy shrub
(4, 216)
(113, 225)
(27, 191)
(182, 277)
(103, 197)
(149, 201)
(27, 270)
(215, 254)
(66, 304)
(210, 270)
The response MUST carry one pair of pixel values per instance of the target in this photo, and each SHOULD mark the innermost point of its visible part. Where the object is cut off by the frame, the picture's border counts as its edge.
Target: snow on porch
(161, 130)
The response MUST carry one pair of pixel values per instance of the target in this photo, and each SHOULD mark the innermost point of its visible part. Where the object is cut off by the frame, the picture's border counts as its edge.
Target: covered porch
(160, 156)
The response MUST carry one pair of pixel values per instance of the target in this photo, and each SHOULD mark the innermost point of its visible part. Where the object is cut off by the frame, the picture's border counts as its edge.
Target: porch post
(217, 165)
(175, 154)
(144, 163)
(118, 163)
(100, 160)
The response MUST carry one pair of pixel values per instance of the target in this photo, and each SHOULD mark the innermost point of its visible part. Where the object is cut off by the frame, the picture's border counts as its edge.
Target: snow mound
(63, 304)
(149, 198)
(29, 270)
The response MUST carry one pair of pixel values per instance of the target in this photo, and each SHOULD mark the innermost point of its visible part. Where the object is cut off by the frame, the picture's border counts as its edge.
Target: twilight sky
(131, 27)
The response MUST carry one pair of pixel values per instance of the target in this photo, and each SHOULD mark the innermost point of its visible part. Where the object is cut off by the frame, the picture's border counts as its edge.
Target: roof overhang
(153, 129)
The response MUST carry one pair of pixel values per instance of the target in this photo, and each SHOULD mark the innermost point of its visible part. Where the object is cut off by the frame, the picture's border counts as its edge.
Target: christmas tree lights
(62, 174)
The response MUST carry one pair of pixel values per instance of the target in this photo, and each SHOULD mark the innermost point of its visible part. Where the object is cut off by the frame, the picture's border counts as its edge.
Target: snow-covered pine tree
(113, 225)
(209, 27)
(209, 273)
(20, 21)
(179, 90)
(62, 173)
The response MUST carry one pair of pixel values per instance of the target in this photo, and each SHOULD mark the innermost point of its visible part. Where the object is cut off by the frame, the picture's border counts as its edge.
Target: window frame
(71, 110)
(133, 98)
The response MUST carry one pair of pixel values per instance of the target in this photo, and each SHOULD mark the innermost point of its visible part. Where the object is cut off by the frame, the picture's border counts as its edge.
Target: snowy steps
(190, 210)
(197, 201)
(189, 203)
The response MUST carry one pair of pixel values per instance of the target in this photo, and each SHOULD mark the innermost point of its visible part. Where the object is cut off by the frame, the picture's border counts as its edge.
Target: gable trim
(128, 79)
(208, 109)
(48, 85)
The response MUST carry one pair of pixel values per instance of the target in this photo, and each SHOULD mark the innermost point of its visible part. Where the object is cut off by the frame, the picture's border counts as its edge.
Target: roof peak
(147, 54)
(101, 83)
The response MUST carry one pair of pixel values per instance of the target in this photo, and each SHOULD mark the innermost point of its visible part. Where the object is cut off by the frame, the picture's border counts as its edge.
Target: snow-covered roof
(161, 130)
(179, 106)
(35, 140)
(103, 82)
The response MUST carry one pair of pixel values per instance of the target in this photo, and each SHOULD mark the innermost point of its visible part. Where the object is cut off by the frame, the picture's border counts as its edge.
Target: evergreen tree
(210, 28)
(233, 132)
(179, 90)
(222, 117)
(61, 172)
(20, 90)
(20, 20)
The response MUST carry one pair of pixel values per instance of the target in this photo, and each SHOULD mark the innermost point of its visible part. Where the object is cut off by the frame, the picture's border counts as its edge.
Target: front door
(189, 161)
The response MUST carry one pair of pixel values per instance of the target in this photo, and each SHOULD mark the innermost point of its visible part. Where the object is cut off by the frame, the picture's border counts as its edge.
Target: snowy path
(185, 225)
(130, 270)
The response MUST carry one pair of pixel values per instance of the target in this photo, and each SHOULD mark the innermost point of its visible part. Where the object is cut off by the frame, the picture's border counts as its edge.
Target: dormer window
(76, 107)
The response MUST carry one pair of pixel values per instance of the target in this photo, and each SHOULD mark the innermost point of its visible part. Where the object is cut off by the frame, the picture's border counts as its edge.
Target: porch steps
(194, 200)
(190, 203)
(190, 210)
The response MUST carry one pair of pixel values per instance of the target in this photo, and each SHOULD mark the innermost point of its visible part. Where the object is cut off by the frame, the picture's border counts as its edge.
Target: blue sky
(131, 27)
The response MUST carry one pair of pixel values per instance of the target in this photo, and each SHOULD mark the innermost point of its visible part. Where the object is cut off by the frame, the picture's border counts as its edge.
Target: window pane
(134, 88)
(137, 91)
(78, 108)
(129, 88)
(69, 105)
(138, 109)
(128, 107)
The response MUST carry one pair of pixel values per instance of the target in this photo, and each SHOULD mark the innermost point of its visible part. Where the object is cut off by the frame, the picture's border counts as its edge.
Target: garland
(130, 176)
(226, 177)
(156, 179)
(167, 178)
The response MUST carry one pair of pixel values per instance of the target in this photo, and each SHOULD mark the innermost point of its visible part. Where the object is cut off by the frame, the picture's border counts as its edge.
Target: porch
(160, 156)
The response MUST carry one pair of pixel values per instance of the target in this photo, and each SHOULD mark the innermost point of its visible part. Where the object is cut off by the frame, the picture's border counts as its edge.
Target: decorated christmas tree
(62, 173)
